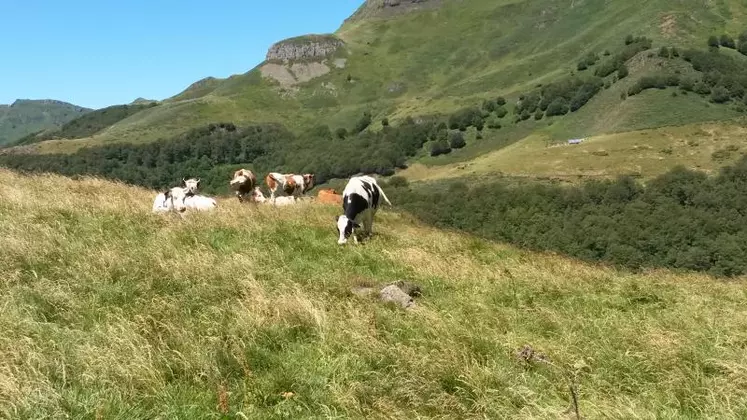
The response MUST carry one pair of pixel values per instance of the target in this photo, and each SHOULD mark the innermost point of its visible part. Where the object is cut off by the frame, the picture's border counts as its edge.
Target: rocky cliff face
(310, 47)
(387, 8)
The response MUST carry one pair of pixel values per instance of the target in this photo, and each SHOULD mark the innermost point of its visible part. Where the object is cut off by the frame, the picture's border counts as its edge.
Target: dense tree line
(682, 219)
(212, 152)
(720, 76)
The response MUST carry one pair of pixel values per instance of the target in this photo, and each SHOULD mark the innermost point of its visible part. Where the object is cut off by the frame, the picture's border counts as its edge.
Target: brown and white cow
(244, 181)
(291, 184)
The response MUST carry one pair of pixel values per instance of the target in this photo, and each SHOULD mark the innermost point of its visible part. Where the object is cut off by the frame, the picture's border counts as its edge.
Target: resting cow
(170, 200)
(329, 196)
(244, 181)
(291, 184)
(200, 202)
(360, 200)
(191, 185)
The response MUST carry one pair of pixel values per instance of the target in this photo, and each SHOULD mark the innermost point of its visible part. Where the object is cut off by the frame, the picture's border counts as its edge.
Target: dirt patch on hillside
(308, 71)
(668, 25)
(295, 74)
(279, 73)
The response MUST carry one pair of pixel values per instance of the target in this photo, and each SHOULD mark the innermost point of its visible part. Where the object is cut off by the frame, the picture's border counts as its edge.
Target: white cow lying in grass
(170, 200)
(200, 202)
(179, 199)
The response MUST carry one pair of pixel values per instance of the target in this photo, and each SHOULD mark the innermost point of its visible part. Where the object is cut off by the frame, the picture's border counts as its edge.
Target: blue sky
(97, 53)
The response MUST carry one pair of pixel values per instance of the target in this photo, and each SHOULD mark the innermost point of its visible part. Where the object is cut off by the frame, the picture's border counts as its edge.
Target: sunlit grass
(110, 311)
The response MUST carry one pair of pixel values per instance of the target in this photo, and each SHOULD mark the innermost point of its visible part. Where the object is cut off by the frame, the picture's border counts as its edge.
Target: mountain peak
(388, 8)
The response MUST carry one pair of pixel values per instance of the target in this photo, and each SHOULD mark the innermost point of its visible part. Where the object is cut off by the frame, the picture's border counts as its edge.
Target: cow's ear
(167, 193)
(198, 181)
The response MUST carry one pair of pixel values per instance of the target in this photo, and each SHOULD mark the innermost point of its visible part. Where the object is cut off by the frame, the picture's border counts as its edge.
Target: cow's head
(191, 185)
(174, 199)
(241, 177)
(345, 228)
(308, 180)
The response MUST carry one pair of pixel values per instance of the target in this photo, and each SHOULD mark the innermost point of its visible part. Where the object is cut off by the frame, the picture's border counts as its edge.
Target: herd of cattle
(360, 199)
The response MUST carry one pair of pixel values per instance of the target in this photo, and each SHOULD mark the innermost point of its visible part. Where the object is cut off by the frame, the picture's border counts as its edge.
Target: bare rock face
(304, 48)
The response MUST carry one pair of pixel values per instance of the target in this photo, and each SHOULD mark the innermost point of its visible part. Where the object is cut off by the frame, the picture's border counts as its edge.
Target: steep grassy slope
(24, 117)
(447, 55)
(112, 312)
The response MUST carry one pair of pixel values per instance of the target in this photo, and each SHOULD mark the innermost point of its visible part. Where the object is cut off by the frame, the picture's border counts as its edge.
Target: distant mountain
(26, 116)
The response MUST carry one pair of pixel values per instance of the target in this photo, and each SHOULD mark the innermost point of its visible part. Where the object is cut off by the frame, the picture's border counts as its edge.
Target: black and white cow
(360, 200)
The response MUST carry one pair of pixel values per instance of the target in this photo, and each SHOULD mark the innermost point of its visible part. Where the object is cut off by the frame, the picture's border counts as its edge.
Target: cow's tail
(384, 196)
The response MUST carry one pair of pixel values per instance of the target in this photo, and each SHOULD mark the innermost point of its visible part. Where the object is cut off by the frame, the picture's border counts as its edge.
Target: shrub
(664, 52)
(464, 118)
(727, 41)
(500, 101)
(701, 88)
(501, 112)
(713, 41)
(629, 39)
(720, 95)
(650, 82)
(439, 147)
(622, 71)
(397, 181)
(581, 66)
(385, 122)
(362, 123)
(675, 52)
(341, 133)
(687, 84)
(456, 140)
(494, 123)
(558, 107)
(538, 115)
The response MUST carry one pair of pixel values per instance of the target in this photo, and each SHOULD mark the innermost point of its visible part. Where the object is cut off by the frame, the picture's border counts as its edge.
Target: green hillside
(435, 57)
(24, 117)
(87, 124)
(112, 312)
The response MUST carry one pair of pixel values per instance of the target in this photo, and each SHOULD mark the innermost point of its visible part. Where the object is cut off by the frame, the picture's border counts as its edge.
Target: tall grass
(109, 311)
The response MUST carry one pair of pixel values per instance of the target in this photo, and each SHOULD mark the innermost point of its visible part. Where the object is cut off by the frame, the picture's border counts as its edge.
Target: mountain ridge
(27, 116)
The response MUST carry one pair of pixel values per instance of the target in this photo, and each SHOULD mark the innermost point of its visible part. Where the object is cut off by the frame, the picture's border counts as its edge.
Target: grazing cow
(360, 200)
(191, 185)
(170, 200)
(200, 202)
(329, 196)
(291, 184)
(244, 181)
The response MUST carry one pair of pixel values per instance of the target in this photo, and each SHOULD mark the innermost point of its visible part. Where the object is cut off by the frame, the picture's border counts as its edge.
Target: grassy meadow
(642, 153)
(110, 311)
